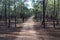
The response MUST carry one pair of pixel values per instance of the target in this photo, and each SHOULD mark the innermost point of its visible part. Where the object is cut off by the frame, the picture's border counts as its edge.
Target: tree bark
(43, 22)
(54, 15)
(5, 13)
(15, 11)
(57, 13)
(9, 14)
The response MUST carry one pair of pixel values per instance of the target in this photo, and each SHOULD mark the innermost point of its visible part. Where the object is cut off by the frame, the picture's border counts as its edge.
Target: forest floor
(29, 30)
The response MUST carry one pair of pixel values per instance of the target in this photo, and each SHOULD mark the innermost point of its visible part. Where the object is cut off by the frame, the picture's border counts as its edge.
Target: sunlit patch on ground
(28, 32)
(27, 38)
(28, 27)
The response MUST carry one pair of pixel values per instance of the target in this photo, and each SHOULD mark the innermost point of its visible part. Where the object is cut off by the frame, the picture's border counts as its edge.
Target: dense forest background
(42, 9)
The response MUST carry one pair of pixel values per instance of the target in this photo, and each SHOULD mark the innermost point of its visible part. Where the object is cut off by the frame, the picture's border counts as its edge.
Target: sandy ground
(30, 31)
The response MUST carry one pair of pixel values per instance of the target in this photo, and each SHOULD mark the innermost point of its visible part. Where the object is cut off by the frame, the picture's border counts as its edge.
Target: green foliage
(37, 9)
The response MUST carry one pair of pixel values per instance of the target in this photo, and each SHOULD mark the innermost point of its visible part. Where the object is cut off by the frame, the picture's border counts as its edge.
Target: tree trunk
(15, 11)
(54, 15)
(43, 22)
(5, 14)
(9, 14)
(57, 14)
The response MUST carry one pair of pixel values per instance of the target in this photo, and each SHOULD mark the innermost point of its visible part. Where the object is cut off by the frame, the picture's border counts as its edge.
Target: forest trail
(30, 31)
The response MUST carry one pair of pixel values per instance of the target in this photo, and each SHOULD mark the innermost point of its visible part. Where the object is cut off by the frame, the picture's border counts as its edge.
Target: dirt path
(28, 32)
